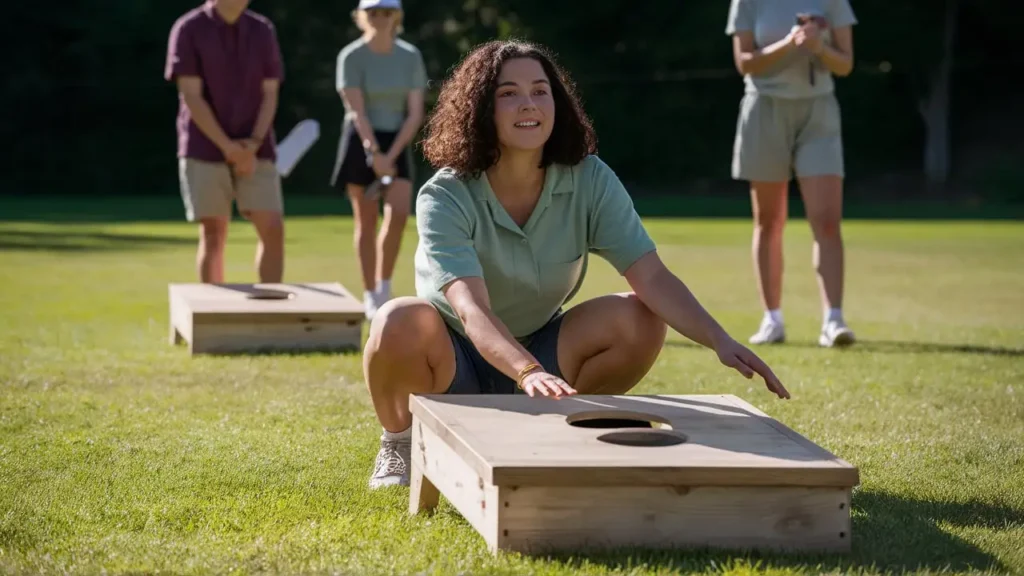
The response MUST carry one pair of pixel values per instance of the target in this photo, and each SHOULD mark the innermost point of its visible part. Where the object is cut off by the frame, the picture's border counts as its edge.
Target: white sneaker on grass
(835, 333)
(770, 332)
(392, 465)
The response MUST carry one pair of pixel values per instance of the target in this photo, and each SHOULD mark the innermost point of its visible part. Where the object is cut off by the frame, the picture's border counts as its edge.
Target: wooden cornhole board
(725, 475)
(241, 318)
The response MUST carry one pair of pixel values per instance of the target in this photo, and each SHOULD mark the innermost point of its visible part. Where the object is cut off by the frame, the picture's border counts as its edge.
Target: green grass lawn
(122, 454)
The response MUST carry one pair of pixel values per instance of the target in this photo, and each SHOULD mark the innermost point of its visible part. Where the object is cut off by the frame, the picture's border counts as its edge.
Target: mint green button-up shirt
(530, 272)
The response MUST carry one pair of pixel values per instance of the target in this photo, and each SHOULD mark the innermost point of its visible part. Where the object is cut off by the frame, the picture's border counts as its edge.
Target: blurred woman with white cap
(381, 79)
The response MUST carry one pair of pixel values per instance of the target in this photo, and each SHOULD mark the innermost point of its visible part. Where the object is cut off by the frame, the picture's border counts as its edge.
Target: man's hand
(241, 154)
(233, 151)
(547, 384)
(735, 355)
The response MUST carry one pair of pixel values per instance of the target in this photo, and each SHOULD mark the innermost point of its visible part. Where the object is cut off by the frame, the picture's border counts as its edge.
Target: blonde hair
(360, 19)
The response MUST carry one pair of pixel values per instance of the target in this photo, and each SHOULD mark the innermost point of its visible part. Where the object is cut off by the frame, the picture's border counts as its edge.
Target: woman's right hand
(382, 166)
(546, 384)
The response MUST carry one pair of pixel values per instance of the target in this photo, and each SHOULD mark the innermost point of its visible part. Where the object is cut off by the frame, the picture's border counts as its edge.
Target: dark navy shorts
(475, 375)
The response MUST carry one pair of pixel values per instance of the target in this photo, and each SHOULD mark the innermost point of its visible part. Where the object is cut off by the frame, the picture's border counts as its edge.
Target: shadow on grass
(890, 533)
(893, 347)
(66, 241)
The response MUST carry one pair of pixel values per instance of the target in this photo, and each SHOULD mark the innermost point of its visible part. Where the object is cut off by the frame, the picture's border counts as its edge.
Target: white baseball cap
(367, 4)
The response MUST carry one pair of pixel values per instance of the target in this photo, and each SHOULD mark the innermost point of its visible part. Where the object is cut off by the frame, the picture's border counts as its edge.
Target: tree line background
(933, 106)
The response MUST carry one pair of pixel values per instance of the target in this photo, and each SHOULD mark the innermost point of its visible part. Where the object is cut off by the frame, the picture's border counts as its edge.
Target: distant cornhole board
(537, 475)
(241, 318)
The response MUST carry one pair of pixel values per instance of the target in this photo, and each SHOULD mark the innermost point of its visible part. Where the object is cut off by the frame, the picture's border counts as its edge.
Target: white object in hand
(296, 144)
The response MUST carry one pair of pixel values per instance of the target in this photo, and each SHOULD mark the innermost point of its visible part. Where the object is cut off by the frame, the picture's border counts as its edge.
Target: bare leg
(608, 344)
(823, 197)
(408, 351)
(213, 235)
(365, 217)
(770, 206)
(270, 249)
(396, 213)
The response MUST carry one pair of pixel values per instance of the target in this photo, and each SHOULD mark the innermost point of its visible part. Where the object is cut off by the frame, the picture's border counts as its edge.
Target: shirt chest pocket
(558, 277)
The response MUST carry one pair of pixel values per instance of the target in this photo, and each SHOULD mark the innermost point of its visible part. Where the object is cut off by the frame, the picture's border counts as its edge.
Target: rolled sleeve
(347, 73)
(419, 77)
(616, 232)
(182, 59)
(741, 17)
(445, 236)
(840, 14)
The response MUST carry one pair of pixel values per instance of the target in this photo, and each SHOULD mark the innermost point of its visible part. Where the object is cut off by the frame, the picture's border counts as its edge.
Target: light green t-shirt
(771, 21)
(530, 272)
(385, 80)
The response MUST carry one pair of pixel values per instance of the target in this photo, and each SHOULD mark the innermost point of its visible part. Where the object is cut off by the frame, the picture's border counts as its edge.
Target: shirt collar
(557, 181)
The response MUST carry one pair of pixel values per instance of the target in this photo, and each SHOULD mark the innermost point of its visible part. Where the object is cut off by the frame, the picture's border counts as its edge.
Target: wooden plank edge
(793, 435)
(450, 434)
(511, 475)
(278, 317)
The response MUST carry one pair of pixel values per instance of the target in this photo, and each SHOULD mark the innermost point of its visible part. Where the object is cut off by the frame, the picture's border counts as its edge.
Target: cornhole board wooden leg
(423, 495)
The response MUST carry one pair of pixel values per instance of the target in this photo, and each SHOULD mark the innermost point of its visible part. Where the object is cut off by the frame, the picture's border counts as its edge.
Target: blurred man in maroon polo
(226, 62)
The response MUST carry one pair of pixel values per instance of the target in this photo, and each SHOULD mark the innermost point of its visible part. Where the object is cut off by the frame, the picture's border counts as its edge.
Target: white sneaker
(369, 304)
(836, 333)
(382, 295)
(392, 466)
(770, 332)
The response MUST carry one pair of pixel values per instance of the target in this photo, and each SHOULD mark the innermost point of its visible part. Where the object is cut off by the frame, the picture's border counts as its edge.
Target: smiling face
(524, 109)
(498, 85)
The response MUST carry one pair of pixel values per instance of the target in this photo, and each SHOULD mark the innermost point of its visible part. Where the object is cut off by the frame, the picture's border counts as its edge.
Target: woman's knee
(403, 327)
(399, 198)
(769, 208)
(640, 328)
(826, 226)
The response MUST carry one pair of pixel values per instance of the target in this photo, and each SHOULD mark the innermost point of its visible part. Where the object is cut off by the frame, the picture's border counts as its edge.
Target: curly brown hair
(461, 134)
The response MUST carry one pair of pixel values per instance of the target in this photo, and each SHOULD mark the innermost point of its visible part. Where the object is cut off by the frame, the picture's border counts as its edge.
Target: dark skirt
(351, 165)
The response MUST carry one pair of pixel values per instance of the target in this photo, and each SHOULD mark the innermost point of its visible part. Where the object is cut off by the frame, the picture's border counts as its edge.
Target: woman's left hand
(737, 356)
(808, 37)
(383, 166)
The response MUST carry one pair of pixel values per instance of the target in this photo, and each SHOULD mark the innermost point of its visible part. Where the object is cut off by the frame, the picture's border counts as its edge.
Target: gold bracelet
(524, 373)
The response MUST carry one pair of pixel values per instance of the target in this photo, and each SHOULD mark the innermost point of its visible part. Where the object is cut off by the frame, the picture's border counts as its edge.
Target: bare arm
(755, 61)
(838, 58)
(191, 88)
(469, 298)
(268, 109)
(353, 98)
(412, 123)
(668, 297)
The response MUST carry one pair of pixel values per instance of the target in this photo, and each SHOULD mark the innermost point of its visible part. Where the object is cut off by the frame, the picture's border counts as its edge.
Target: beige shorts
(208, 189)
(779, 137)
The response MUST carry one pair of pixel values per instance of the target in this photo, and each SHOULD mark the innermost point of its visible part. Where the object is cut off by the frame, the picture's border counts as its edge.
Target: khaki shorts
(208, 188)
(777, 137)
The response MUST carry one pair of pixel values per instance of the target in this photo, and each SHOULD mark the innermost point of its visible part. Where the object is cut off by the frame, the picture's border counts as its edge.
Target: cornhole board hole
(249, 318)
(538, 475)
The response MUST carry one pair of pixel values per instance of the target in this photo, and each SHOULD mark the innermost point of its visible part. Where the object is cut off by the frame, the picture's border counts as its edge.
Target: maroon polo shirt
(232, 60)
